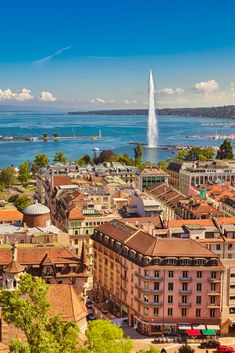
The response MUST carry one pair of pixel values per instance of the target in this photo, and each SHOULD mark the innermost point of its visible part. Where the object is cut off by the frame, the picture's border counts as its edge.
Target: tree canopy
(225, 150)
(28, 309)
(105, 337)
(8, 177)
(41, 160)
(138, 152)
(22, 201)
(60, 158)
(24, 173)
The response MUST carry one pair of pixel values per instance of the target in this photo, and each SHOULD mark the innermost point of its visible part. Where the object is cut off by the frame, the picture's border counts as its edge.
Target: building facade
(156, 283)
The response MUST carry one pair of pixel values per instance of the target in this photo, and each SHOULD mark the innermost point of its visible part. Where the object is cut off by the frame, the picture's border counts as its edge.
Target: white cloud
(46, 96)
(48, 58)
(7, 94)
(206, 87)
(170, 91)
(167, 91)
(126, 101)
(24, 95)
(179, 90)
(231, 86)
(100, 100)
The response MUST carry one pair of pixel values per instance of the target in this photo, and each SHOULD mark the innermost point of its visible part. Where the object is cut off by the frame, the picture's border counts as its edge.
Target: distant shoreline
(227, 112)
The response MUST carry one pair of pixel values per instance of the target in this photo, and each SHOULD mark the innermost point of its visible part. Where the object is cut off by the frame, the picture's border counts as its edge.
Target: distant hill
(211, 112)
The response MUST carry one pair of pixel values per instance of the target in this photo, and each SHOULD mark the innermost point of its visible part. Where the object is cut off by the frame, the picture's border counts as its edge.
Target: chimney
(14, 251)
(83, 253)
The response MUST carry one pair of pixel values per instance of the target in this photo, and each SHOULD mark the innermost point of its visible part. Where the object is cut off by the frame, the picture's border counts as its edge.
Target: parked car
(210, 344)
(89, 303)
(225, 349)
(91, 316)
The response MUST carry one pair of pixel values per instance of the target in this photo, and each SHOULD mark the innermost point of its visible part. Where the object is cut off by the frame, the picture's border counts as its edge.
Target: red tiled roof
(11, 215)
(116, 230)
(64, 300)
(14, 267)
(59, 180)
(27, 256)
(136, 221)
(75, 213)
(182, 222)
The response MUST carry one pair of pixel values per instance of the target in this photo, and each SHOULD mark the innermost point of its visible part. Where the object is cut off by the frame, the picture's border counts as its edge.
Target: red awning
(193, 332)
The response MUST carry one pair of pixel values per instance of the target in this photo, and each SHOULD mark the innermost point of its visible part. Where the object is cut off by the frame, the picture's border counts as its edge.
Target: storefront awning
(209, 332)
(185, 327)
(199, 327)
(193, 332)
(213, 327)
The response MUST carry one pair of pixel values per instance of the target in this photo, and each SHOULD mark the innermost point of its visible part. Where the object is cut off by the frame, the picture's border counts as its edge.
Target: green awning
(209, 332)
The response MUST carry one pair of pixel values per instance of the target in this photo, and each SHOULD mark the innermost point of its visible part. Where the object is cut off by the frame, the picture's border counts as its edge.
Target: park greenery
(27, 309)
(225, 150)
(60, 158)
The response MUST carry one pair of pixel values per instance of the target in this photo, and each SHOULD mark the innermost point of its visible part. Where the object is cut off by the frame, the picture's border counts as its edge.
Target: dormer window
(106, 239)
(156, 260)
(185, 261)
(171, 261)
(214, 262)
(147, 259)
(199, 262)
(125, 250)
(132, 254)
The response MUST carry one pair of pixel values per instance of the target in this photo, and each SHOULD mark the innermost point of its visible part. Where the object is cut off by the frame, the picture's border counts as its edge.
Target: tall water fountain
(152, 118)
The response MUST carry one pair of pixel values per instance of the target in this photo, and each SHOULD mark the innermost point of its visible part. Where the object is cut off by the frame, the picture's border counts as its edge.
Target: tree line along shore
(227, 112)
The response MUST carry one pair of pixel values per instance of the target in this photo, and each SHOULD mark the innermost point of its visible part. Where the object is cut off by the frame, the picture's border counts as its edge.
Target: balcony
(213, 305)
(148, 303)
(215, 292)
(214, 280)
(152, 278)
(149, 290)
(185, 305)
(185, 292)
(185, 279)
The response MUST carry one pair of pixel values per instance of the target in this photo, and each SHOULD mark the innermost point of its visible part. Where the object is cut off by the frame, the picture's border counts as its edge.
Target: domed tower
(36, 215)
(11, 273)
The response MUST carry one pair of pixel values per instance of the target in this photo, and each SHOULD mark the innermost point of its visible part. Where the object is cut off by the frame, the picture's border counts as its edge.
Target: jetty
(172, 148)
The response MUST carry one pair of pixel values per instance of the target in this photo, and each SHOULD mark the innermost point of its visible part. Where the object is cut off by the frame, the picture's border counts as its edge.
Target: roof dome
(36, 209)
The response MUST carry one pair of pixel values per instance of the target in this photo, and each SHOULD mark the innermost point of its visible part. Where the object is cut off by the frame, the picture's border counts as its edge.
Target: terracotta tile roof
(182, 222)
(152, 171)
(204, 209)
(226, 220)
(59, 180)
(14, 267)
(13, 215)
(64, 300)
(136, 221)
(117, 230)
(75, 213)
(31, 256)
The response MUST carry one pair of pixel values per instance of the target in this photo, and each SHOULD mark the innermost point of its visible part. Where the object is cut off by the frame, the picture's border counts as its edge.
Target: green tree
(86, 159)
(225, 150)
(24, 173)
(60, 158)
(8, 177)
(28, 309)
(199, 154)
(151, 350)
(41, 160)
(125, 159)
(185, 348)
(105, 337)
(45, 136)
(107, 156)
(56, 135)
(22, 202)
(138, 152)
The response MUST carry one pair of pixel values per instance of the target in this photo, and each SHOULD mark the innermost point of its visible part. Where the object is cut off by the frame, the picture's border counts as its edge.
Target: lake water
(117, 132)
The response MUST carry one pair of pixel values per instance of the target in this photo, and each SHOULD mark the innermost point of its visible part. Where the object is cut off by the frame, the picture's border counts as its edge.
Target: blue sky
(97, 54)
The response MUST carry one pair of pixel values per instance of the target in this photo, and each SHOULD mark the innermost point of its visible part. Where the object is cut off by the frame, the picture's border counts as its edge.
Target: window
(217, 246)
(212, 312)
(156, 286)
(156, 298)
(146, 311)
(76, 241)
(170, 286)
(146, 273)
(171, 261)
(146, 299)
(184, 312)
(184, 286)
(170, 274)
(198, 312)
(170, 312)
(184, 299)
(199, 287)
(170, 299)
(198, 299)
(146, 285)
(155, 311)
(213, 274)
(185, 274)
(199, 274)
(213, 299)
(156, 274)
